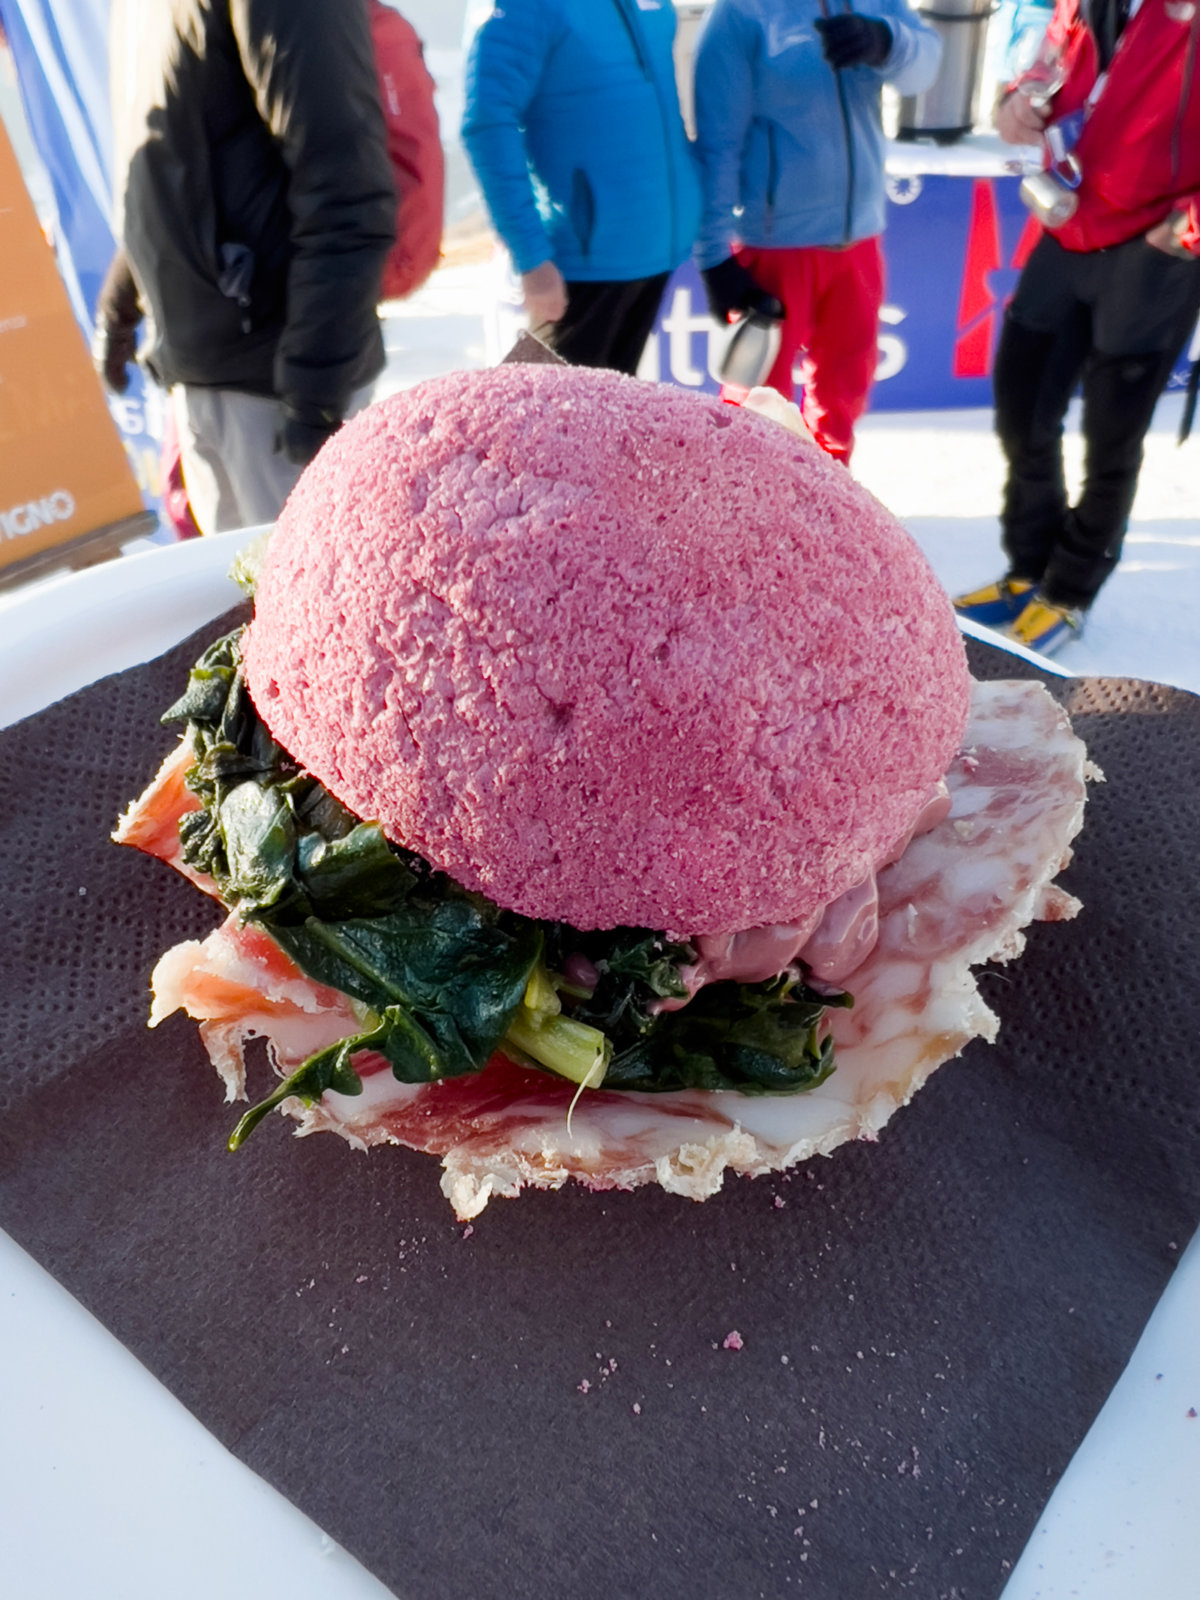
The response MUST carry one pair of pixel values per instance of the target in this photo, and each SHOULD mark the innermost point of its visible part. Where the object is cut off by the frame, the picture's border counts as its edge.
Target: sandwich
(598, 792)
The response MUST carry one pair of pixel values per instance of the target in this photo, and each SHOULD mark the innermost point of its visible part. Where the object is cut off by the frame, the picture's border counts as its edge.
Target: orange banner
(64, 476)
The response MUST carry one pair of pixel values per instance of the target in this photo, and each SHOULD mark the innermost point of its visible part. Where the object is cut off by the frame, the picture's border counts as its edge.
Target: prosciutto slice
(959, 896)
(240, 985)
(152, 822)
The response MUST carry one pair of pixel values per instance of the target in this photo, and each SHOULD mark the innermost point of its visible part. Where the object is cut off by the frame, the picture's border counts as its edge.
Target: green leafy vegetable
(442, 972)
(763, 1038)
(209, 683)
(443, 977)
(247, 564)
(571, 1049)
(636, 968)
(454, 971)
(328, 1069)
(272, 837)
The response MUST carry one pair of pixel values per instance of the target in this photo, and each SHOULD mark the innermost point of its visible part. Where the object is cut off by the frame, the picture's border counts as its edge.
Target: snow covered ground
(941, 473)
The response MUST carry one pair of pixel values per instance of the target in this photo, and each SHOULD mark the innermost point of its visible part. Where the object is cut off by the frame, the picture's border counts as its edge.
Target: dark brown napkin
(550, 1401)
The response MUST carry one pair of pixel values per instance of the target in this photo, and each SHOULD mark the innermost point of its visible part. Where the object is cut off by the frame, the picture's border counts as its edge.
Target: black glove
(118, 316)
(729, 287)
(849, 40)
(304, 430)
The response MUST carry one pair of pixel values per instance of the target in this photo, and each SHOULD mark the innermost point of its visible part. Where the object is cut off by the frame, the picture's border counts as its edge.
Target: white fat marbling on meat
(959, 896)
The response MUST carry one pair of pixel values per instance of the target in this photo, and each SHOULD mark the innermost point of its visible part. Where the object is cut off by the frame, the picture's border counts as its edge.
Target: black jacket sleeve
(118, 317)
(311, 66)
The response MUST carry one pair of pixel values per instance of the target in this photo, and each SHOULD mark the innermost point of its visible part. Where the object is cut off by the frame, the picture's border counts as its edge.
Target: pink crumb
(584, 1386)
(505, 604)
(732, 1341)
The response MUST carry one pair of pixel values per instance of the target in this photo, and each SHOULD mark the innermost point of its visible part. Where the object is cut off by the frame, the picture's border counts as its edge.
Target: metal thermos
(949, 107)
(1051, 194)
(750, 353)
(1051, 202)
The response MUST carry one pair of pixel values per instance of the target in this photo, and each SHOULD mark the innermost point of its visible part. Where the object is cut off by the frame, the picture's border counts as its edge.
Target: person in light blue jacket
(573, 127)
(790, 139)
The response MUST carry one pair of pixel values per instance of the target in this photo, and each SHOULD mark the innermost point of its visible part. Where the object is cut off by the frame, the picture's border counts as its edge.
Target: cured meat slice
(239, 985)
(960, 896)
(152, 822)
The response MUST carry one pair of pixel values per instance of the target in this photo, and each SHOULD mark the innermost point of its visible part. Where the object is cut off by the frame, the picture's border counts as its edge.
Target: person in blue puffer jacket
(573, 127)
(790, 138)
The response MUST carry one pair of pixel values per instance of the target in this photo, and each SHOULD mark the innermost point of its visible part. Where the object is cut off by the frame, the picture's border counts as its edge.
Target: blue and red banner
(955, 246)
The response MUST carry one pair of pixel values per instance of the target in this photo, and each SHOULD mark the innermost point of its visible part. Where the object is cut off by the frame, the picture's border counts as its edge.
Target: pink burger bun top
(608, 652)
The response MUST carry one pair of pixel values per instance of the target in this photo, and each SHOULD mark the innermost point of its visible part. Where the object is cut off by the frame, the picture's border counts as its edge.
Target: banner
(65, 482)
(60, 48)
(954, 246)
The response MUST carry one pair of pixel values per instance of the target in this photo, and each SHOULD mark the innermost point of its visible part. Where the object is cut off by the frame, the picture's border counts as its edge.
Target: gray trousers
(234, 475)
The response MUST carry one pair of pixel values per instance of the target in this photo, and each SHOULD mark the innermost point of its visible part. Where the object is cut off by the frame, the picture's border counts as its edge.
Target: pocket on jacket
(772, 174)
(759, 173)
(582, 209)
(1146, 294)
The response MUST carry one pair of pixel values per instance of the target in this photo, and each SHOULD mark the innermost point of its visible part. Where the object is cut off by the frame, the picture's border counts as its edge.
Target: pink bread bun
(608, 652)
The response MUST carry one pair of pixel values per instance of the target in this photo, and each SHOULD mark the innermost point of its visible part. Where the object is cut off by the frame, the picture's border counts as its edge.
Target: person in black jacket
(255, 209)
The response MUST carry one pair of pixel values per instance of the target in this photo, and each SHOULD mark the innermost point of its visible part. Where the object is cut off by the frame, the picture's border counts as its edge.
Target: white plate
(109, 1488)
(62, 634)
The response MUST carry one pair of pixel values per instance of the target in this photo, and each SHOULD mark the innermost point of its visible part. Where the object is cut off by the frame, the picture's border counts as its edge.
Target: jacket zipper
(772, 176)
(848, 224)
(848, 132)
(639, 50)
(1184, 96)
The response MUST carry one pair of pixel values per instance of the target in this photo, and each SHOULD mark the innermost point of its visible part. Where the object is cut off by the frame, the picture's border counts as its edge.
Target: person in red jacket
(414, 146)
(1108, 296)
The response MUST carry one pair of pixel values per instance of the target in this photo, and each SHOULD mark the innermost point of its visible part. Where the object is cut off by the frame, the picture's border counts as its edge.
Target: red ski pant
(832, 299)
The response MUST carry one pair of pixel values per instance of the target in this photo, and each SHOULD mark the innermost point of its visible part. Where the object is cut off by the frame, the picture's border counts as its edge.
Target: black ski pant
(607, 324)
(1115, 320)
